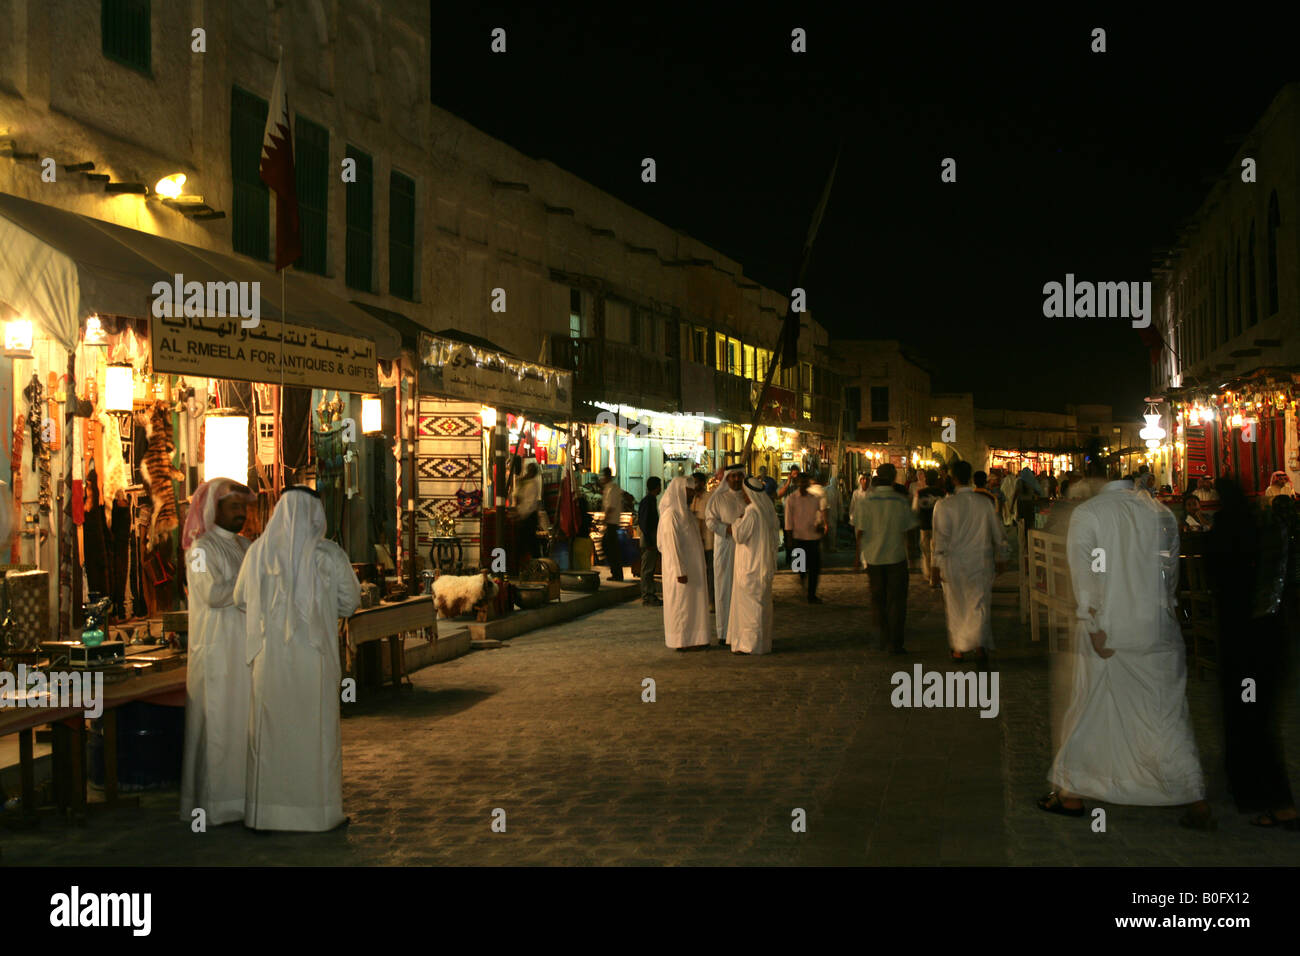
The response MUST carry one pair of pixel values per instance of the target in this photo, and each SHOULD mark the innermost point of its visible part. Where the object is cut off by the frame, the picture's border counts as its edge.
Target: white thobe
(295, 756)
(722, 509)
(750, 628)
(686, 606)
(967, 539)
(1127, 735)
(217, 682)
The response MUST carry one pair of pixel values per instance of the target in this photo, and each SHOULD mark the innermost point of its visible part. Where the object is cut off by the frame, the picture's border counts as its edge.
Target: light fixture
(225, 448)
(18, 338)
(488, 414)
(95, 332)
(169, 187)
(119, 388)
(372, 415)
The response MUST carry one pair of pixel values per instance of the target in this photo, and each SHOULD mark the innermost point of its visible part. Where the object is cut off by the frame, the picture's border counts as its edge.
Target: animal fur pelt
(158, 472)
(454, 595)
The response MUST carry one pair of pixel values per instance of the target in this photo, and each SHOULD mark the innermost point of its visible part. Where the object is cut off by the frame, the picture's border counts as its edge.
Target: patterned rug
(448, 460)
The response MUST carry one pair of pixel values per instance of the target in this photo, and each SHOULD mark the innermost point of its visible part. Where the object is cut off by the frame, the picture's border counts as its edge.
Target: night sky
(1067, 161)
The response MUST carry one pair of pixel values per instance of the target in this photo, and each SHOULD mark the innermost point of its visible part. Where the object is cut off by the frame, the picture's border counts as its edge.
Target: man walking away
(647, 519)
(923, 507)
(968, 540)
(807, 525)
(886, 522)
(1127, 736)
(528, 499)
(790, 487)
(858, 517)
(612, 498)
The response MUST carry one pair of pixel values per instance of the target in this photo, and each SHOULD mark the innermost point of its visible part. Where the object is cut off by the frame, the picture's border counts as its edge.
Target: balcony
(617, 373)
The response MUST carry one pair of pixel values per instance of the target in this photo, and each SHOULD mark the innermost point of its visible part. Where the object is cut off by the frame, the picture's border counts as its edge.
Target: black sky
(1067, 161)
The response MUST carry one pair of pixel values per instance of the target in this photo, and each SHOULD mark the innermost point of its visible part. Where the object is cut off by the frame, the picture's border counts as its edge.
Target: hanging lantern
(225, 448)
(119, 388)
(1153, 432)
(18, 338)
(372, 415)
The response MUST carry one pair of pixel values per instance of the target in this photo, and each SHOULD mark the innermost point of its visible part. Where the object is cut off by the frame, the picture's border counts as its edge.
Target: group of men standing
(740, 516)
(262, 740)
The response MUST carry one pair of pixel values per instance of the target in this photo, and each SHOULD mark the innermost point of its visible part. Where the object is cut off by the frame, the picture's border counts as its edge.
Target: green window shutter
(361, 216)
(312, 157)
(126, 29)
(401, 236)
(250, 213)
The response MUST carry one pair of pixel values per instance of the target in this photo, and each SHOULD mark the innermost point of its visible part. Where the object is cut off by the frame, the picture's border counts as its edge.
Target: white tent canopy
(56, 267)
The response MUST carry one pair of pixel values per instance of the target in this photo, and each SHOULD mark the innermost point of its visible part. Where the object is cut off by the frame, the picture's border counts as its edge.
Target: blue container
(560, 553)
(150, 747)
(629, 547)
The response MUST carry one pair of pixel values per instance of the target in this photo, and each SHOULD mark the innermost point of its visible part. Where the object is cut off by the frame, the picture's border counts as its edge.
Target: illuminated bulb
(169, 187)
(372, 415)
(225, 448)
(489, 416)
(18, 338)
(119, 390)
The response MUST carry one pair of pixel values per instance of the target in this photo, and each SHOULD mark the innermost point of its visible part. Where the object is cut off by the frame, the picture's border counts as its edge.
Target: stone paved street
(551, 728)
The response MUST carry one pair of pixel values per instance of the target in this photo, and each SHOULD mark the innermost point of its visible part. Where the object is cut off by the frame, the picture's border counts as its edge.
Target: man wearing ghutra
(295, 586)
(756, 533)
(217, 684)
(686, 593)
(723, 509)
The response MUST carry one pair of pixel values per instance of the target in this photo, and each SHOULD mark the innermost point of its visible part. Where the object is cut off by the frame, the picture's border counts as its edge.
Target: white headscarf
(281, 564)
(203, 509)
(674, 497)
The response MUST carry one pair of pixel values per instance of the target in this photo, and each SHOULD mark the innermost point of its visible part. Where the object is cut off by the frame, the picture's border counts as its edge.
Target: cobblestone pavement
(552, 729)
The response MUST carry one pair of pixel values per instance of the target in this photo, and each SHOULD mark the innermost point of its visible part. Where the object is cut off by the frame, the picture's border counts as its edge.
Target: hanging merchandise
(35, 395)
(16, 470)
(55, 428)
(329, 476)
(115, 472)
(158, 472)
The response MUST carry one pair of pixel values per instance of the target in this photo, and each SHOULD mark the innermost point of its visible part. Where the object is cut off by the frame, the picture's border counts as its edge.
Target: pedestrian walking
(807, 522)
(886, 521)
(969, 547)
(857, 517)
(923, 507)
(612, 500)
(647, 519)
(1127, 735)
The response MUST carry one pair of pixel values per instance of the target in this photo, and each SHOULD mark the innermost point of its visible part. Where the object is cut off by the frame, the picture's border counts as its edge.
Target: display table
(166, 687)
(389, 620)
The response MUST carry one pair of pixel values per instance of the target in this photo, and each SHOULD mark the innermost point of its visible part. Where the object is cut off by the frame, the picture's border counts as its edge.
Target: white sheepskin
(456, 595)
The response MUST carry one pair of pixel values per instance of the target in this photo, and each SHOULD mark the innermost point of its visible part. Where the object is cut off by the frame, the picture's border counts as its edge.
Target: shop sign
(212, 347)
(1198, 452)
(465, 372)
(781, 405)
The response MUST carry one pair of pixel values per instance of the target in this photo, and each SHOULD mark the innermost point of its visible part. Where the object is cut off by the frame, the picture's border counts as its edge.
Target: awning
(60, 266)
(466, 372)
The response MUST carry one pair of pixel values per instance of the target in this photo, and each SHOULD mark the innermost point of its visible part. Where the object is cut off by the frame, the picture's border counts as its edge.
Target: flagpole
(804, 259)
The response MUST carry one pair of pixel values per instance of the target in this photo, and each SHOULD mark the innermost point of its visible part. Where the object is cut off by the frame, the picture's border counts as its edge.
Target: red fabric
(569, 519)
(277, 172)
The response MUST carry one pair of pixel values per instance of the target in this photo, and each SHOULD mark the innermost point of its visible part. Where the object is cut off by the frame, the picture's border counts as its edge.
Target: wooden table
(166, 687)
(390, 620)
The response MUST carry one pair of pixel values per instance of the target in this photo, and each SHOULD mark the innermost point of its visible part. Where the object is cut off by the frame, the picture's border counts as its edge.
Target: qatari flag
(277, 172)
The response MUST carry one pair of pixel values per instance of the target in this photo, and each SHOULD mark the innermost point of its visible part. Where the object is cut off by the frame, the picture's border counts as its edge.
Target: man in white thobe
(295, 586)
(968, 541)
(724, 508)
(1127, 735)
(858, 517)
(217, 681)
(686, 592)
(755, 533)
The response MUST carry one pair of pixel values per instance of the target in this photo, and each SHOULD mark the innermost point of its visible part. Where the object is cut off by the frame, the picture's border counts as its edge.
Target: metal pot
(530, 596)
(579, 580)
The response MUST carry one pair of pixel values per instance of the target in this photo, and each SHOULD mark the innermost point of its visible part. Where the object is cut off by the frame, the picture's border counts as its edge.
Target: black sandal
(1269, 820)
(1052, 804)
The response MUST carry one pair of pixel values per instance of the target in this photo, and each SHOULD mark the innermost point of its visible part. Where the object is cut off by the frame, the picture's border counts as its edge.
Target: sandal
(1052, 804)
(956, 655)
(1268, 819)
